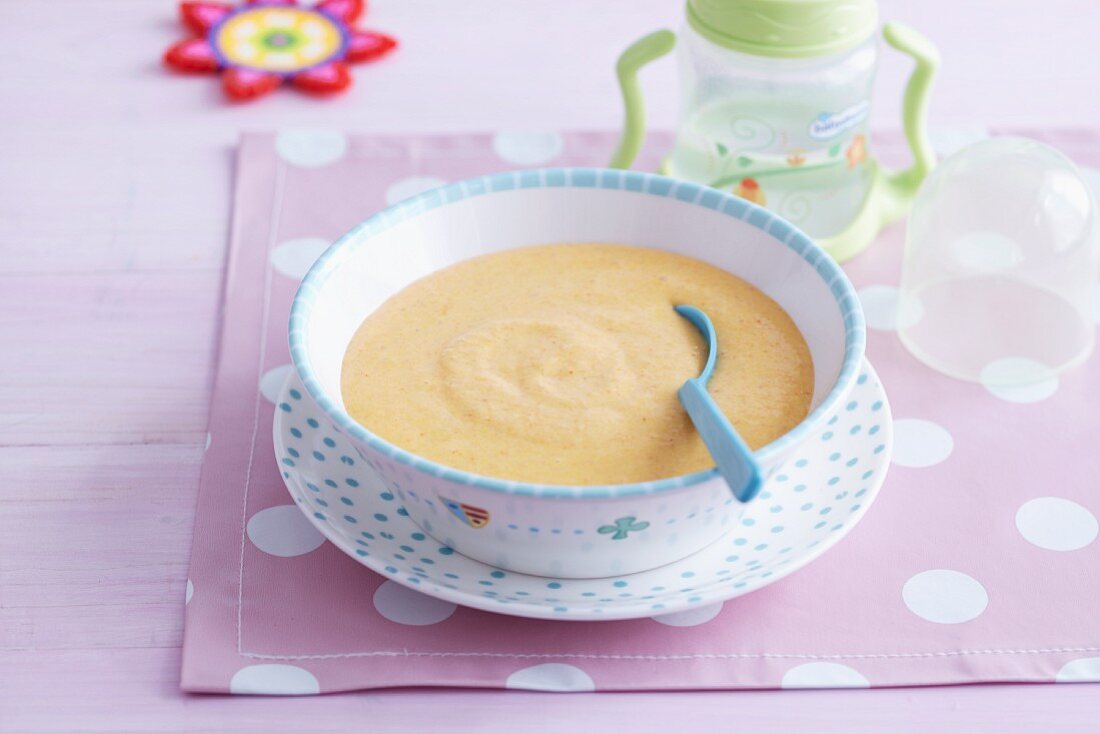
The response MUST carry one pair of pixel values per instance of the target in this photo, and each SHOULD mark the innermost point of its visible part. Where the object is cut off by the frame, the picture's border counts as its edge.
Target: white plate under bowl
(822, 493)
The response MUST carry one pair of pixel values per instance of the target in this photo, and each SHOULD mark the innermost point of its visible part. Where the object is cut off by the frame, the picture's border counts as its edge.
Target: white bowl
(569, 531)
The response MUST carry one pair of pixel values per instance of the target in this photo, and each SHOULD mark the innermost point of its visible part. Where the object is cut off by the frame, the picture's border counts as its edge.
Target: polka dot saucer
(821, 493)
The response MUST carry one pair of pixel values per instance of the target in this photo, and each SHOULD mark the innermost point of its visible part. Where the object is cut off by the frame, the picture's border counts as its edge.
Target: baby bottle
(775, 100)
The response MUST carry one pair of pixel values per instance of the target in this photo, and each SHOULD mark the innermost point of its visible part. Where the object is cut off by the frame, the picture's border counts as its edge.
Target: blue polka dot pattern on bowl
(821, 493)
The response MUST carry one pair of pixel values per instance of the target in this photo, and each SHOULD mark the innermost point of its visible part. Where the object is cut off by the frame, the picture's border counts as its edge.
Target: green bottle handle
(901, 186)
(640, 53)
(891, 192)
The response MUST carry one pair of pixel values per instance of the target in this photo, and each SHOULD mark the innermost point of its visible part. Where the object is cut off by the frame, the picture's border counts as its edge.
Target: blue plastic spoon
(733, 457)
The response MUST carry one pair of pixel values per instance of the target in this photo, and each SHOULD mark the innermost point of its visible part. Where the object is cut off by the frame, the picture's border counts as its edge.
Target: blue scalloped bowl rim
(649, 184)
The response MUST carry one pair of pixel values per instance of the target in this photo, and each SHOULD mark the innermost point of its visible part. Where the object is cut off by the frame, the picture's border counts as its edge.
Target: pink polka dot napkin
(977, 562)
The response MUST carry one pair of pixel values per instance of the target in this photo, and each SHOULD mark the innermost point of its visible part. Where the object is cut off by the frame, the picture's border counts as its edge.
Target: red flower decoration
(262, 43)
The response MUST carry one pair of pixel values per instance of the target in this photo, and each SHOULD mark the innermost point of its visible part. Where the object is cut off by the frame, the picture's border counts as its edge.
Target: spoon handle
(734, 458)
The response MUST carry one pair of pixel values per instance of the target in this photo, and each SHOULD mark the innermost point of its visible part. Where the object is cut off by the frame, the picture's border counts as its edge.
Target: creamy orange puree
(560, 364)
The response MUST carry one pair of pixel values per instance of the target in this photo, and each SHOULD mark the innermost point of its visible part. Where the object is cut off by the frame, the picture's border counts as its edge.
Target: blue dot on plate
(777, 529)
(801, 463)
(619, 584)
(347, 501)
(826, 436)
(313, 423)
(350, 519)
(380, 517)
(418, 536)
(553, 585)
(347, 460)
(446, 551)
(351, 482)
(748, 521)
(329, 442)
(497, 574)
(318, 455)
(285, 407)
(388, 496)
(739, 541)
(687, 574)
(295, 432)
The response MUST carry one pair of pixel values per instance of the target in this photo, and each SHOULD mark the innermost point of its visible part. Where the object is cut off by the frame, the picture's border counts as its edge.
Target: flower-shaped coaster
(261, 43)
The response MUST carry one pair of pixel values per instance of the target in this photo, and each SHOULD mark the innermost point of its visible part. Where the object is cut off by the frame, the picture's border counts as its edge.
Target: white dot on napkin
(919, 443)
(188, 592)
(944, 596)
(283, 531)
(311, 148)
(411, 186)
(271, 384)
(947, 140)
(881, 308)
(824, 675)
(690, 617)
(1081, 670)
(274, 680)
(400, 604)
(986, 251)
(527, 148)
(551, 677)
(1019, 380)
(294, 258)
(1056, 524)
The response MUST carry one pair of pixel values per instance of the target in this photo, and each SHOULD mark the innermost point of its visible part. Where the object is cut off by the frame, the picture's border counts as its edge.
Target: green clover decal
(622, 527)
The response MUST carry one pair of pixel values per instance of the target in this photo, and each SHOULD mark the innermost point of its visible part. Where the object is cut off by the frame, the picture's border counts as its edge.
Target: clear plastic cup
(1001, 261)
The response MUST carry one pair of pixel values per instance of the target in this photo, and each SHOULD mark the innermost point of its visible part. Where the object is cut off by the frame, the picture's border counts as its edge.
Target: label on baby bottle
(830, 125)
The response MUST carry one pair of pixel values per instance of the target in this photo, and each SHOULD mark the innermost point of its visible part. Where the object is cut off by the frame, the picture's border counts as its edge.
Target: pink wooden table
(114, 195)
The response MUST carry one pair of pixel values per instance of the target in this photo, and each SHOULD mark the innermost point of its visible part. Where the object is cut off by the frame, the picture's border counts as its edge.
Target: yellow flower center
(278, 39)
